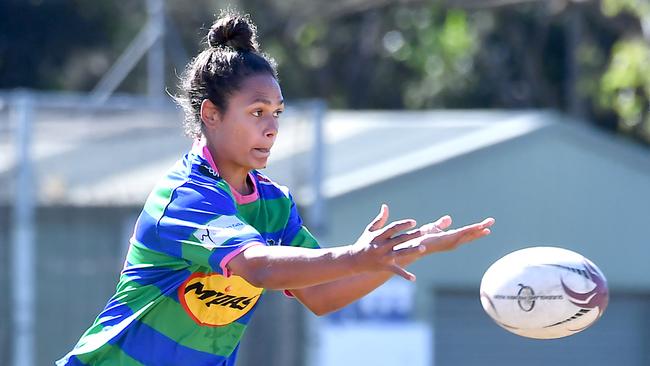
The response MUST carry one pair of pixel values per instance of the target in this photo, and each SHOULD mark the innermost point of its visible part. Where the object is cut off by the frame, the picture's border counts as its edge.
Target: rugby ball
(544, 292)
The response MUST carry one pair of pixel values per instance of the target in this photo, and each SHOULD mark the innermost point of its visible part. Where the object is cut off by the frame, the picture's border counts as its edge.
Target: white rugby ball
(544, 292)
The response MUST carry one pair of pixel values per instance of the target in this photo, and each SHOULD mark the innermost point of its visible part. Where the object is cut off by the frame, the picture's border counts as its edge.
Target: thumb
(401, 272)
(381, 219)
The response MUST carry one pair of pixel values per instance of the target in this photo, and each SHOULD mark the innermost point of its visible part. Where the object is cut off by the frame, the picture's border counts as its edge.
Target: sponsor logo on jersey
(223, 228)
(207, 170)
(214, 300)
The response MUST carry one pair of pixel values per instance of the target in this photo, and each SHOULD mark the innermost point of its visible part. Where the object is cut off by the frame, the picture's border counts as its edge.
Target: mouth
(261, 151)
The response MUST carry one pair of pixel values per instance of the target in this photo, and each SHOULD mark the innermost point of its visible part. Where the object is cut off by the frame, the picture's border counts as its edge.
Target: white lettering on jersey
(218, 231)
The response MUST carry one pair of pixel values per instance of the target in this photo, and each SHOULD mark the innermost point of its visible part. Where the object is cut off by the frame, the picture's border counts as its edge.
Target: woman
(215, 233)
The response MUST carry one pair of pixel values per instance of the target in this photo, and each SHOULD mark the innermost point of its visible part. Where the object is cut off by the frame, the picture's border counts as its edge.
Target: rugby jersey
(175, 303)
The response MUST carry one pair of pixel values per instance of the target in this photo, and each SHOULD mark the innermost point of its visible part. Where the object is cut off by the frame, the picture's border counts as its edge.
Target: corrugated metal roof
(116, 158)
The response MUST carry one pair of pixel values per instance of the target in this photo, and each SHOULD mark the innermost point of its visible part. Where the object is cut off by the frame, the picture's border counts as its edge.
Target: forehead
(261, 86)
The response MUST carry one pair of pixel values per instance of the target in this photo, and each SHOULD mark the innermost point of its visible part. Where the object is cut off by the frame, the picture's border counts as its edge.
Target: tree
(625, 86)
(585, 56)
(62, 45)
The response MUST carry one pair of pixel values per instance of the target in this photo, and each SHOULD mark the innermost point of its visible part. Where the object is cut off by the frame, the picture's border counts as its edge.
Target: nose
(271, 129)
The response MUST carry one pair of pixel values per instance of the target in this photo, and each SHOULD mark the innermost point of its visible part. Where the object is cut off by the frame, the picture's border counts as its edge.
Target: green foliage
(612, 8)
(62, 44)
(365, 54)
(393, 56)
(435, 45)
(625, 86)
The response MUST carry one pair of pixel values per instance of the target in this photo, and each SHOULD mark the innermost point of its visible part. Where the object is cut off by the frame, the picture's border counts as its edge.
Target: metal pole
(142, 43)
(156, 54)
(22, 263)
(317, 208)
(573, 29)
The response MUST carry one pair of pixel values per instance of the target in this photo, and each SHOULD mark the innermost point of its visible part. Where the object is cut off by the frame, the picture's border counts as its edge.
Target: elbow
(322, 311)
(320, 308)
(312, 299)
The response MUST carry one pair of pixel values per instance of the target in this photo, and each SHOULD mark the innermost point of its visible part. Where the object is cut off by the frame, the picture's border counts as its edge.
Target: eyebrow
(266, 101)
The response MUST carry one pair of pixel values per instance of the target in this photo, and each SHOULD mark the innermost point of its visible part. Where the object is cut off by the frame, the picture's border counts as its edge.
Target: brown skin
(328, 297)
(240, 139)
(324, 280)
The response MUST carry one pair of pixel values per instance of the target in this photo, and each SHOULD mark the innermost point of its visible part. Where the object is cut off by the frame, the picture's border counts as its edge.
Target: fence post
(22, 263)
(156, 53)
(317, 208)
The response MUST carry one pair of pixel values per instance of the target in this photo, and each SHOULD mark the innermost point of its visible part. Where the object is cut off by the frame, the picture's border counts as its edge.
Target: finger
(453, 238)
(472, 235)
(380, 220)
(488, 222)
(401, 272)
(406, 250)
(478, 226)
(404, 237)
(395, 227)
(437, 226)
(444, 222)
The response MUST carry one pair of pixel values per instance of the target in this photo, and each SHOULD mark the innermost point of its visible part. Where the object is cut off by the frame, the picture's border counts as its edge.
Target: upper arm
(243, 263)
(201, 226)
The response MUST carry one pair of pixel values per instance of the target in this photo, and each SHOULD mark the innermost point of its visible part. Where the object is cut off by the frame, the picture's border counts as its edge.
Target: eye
(277, 113)
(257, 113)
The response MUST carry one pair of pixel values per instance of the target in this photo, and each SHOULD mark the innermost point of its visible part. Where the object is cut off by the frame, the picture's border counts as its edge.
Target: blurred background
(534, 112)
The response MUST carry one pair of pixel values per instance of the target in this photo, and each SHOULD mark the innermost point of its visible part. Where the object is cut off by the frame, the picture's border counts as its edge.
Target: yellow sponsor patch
(214, 300)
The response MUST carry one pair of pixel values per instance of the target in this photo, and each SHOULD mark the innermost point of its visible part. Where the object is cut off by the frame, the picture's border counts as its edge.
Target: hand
(378, 247)
(435, 239)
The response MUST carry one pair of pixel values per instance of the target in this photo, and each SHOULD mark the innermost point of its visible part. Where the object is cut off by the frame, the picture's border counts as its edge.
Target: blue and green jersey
(176, 303)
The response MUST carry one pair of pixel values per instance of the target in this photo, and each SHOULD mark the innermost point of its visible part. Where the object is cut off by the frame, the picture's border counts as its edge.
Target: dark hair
(218, 71)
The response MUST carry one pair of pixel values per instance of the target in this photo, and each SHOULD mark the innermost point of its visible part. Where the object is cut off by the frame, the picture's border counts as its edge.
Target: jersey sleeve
(201, 225)
(295, 233)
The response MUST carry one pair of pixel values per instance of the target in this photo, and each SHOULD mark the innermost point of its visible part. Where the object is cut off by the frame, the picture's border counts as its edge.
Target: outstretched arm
(328, 297)
(273, 267)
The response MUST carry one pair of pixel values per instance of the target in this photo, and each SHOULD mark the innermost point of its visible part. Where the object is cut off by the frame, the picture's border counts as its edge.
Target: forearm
(278, 267)
(328, 297)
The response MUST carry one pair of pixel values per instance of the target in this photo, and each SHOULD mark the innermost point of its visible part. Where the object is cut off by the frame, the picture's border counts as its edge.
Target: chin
(258, 165)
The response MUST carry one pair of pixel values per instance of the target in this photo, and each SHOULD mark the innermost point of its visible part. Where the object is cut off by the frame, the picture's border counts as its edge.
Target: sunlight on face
(249, 126)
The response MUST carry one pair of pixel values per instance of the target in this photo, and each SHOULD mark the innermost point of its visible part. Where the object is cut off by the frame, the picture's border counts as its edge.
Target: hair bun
(234, 31)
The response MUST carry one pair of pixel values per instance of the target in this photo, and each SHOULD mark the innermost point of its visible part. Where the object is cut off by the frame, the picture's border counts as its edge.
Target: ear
(209, 113)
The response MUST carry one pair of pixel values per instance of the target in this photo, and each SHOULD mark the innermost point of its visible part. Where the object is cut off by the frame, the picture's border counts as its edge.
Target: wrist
(351, 259)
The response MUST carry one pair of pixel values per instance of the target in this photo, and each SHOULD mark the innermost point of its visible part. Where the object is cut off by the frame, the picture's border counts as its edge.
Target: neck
(236, 176)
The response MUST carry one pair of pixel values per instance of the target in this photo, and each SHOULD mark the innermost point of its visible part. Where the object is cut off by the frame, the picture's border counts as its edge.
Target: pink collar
(201, 148)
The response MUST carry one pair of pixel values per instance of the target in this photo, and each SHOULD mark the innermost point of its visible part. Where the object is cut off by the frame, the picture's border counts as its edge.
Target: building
(546, 179)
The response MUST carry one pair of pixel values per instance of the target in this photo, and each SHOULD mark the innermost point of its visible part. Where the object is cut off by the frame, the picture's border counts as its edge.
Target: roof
(115, 158)
(382, 145)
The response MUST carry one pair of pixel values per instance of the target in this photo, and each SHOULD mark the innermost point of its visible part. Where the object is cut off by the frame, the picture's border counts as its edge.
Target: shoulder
(195, 195)
(269, 189)
(197, 187)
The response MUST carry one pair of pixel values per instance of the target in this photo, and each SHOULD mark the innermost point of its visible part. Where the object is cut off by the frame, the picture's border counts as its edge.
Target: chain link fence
(74, 177)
